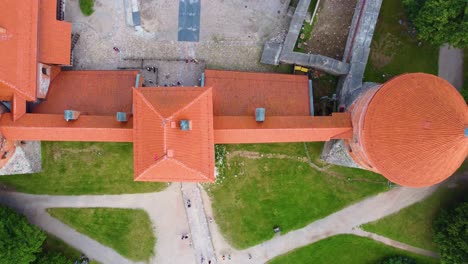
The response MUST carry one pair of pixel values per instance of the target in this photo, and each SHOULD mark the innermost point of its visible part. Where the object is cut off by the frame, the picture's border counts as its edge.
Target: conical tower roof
(413, 131)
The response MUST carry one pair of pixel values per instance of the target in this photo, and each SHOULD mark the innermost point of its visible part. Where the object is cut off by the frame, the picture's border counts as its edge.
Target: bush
(19, 240)
(52, 258)
(86, 7)
(398, 260)
(450, 234)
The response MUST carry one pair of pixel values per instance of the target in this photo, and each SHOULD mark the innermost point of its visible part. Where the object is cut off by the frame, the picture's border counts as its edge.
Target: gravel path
(166, 211)
(393, 243)
(171, 218)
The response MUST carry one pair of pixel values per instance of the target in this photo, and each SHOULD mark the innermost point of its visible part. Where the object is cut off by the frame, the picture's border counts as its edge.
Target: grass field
(54, 244)
(74, 168)
(394, 50)
(413, 225)
(347, 249)
(127, 231)
(257, 194)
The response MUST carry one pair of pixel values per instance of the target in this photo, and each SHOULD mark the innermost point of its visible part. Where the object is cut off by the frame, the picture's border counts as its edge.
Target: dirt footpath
(331, 28)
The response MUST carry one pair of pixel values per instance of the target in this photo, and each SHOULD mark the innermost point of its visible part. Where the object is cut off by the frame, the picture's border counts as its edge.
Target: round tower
(413, 130)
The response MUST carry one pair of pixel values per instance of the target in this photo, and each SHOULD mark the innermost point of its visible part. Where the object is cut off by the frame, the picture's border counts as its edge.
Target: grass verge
(395, 50)
(54, 244)
(347, 249)
(74, 168)
(128, 231)
(284, 192)
(413, 225)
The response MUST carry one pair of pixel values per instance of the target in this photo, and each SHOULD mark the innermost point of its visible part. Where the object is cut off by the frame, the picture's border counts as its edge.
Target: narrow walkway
(451, 65)
(199, 230)
(341, 222)
(394, 243)
(165, 209)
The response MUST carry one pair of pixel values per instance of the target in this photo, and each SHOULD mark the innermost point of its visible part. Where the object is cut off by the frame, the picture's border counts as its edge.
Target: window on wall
(46, 71)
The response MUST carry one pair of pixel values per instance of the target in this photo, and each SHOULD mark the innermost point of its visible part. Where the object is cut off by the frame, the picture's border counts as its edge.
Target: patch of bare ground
(58, 152)
(331, 28)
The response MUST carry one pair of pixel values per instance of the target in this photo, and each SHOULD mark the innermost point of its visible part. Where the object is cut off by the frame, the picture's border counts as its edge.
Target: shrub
(19, 240)
(398, 260)
(450, 234)
(86, 7)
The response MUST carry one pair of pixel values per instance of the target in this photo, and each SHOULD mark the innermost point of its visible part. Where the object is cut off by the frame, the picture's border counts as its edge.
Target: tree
(19, 241)
(398, 260)
(440, 21)
(52, 258)
(451, 234)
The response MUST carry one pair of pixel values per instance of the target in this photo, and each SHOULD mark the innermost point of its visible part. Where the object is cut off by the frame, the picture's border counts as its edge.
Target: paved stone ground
(451, 65)
(168, 72)
(231, 36)
(199, 230)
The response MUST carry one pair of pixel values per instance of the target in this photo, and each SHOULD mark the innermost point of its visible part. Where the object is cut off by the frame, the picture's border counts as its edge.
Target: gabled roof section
(162, 150)
(54, 35)
(93, 92)
(18, 47)
(239, 93)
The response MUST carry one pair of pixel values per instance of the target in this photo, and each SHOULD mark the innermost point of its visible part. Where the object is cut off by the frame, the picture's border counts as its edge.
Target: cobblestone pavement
(199, 230)
(231, 35)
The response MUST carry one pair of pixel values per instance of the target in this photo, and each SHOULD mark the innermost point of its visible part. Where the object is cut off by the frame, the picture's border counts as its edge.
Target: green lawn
(255, 195)
(127, 231)
(74, 168)
(413, 225)
(347, 249)
(54, 244)
(394, 50)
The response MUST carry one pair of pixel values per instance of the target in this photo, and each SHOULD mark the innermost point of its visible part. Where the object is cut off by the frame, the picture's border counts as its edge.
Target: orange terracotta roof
(413, 130)
(239, 93)
(162, 151)
(55, 128)
(244, 129)
(54, 35)
(93, 92)
(18, 107)
(18, 48)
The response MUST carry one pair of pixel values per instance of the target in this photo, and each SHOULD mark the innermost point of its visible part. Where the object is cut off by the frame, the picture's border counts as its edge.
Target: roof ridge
(191, 102)
(149, 104)
(166, 159)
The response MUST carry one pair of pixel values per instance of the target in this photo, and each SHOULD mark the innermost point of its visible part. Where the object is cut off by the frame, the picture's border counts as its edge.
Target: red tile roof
(244, 129)
(93, 92)
(54, 35)
(239, 93)
(411, 130)
(51, 127)
(18, 48)
(162, 151)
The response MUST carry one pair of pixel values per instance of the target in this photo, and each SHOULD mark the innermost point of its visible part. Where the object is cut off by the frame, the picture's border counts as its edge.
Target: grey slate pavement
(451, 65)
(189, 20)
